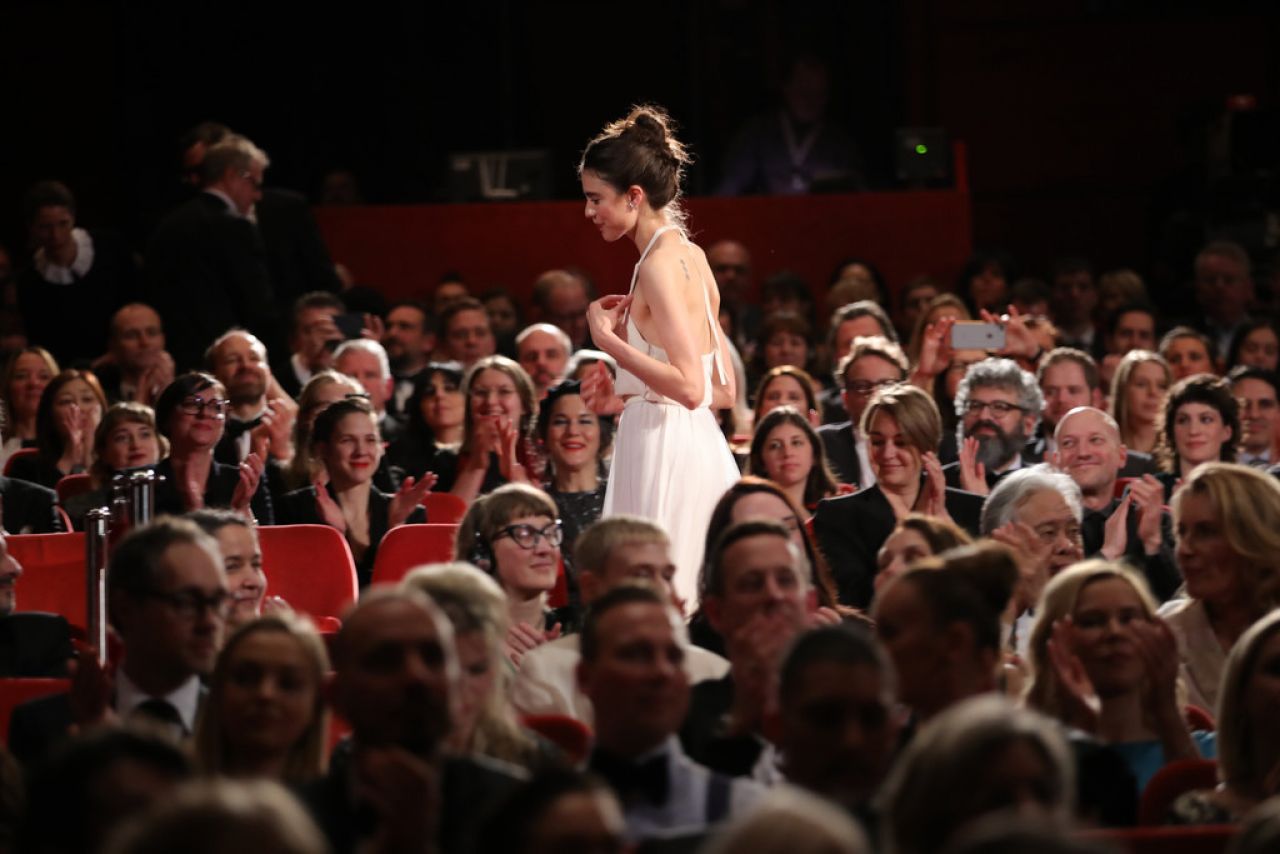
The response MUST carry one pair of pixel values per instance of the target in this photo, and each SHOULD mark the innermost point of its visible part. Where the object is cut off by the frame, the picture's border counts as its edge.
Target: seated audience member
(313, 336)
(484, 720)
(1227, 521)
(1187, 351)
(505, 318)
(465, 333)
(790, 821)
(577, 442)
(238, 360)
(70, 410)
(1102, 662)
(345, 440)
(126, 438)
(543, 351)
(861, 319)
(903, 429)
(324, 388)
(944, 306)
(786, 385)
(409, 341)
(612, 552)
(497, 436)
(450, 289)
(870, 365)
(916, 537)
(1201, 424)
(1120, 287)
(941, 624)
(757, 596)
(1138, 391)
(561, 297)
(1248, 752)
(999, 406)
(984, 280)
(978, 758)
(396, 682)
(76, 277)
(837, 726)
(95, 784)
(237, 540)
(1255, 344)
(1091, 454)
(632, 672)
(1031, 296)
(1127, 327)
(265, 715)
(168, 601)
(786, 292)
(1224, 292)
(137, 367)
(432, 432)
(1075, 301)
(223, 817)
(913, 302)
(786, 449)
(366, 361)
(1255, 392)
(514, 535)
(558, 810)
(785, 339)
(26, 374)
(191, 414)
(27, 508)
(730, 264)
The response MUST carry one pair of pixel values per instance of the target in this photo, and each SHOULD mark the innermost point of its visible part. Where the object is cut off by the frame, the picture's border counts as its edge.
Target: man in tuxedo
(168, 601)
(409, 340)
(1255, 390)
(313, 336)
(137, 367)
(206, 266)
(365, 360)
(872, 362)
(391, 786)
(999, 405)
(239, 361)
(613, 551)
(632, 671)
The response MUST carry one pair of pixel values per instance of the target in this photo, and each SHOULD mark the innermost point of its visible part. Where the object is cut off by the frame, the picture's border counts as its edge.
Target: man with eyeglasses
(872, 363)
(1255, 390)
(168, 602)
(999, 406)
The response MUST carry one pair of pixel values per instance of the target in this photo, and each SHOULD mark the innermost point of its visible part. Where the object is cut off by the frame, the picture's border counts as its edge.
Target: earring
(631, 205)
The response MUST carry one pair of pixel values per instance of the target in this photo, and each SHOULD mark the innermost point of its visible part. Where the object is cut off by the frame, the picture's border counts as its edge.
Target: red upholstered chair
(1122, 483)
(407, 546)
(1204, 839)
(569, 734)
(444, 508)
(21, 452)
(53, 574)
(310, 566)
(1171, 781)
(15, 692)
(1198, 718)
(72, 485)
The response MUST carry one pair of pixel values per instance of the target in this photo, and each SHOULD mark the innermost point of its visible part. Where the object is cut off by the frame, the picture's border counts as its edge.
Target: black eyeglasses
(526, 536)
(862, 388)
(194, 405)
(999, 407)
(190, 604)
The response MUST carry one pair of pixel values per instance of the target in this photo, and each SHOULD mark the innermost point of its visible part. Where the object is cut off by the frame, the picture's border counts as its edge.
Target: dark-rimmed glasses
(526, 536)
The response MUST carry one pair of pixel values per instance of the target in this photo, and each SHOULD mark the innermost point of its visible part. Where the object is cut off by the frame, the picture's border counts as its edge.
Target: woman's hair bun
(652, 126)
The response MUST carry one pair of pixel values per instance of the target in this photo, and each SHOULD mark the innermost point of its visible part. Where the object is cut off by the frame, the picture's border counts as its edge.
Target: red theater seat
(18, 454)
(1169, 783)
(444, 508)
(407, 546)
(53, 574)
(1206, 839)
(72, 485)
(310, 566)
(569, 734)
(15, 692)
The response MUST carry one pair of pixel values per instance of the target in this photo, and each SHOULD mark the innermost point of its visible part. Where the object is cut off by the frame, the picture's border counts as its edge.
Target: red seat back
(310, 566)
(72, 485)
(569, 734)
(53, 574)
(15, 692)
(18, 454)
(1170, 782)
(1199, 718)
(407, 546)
(444, 508)
(1204, 839)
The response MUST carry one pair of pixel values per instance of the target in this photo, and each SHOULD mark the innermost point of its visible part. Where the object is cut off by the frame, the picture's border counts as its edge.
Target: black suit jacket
(28, 508)
(951, 471)
(207, 272)
(852, 528)
(218, 491)
(296, 253)
(702, 735)
(1161, 569)
(842, 451)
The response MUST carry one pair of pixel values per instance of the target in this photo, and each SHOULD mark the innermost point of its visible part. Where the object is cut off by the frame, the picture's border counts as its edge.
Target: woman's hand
(250, 476)
(1115, 534)
(154, 379)
(1082, 698)
(92, 686)
(408, 497)
(1019, 341)
(328, 509)
(521, 638)
(73, 434)
(935, 352)
(509, 464)
(606, 317)
(933, 495)
(1032, 555)
(276, 429)
(973, 474)
(597, 391)
(486, 439)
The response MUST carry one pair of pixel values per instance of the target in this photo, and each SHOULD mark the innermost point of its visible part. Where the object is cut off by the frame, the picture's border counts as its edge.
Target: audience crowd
(957, 588)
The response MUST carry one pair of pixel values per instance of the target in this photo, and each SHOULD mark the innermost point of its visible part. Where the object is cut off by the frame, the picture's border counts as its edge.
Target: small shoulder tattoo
(685, 267)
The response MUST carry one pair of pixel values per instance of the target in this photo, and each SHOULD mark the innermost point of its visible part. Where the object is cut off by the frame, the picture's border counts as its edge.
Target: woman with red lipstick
(1104, 663)
(576, 441)
(192, 412)
(497, 429)
(345, 440)
(70, 410)
(126, 438)
(1201, 424)
(786, 449)
(671, 463)
(27, 373)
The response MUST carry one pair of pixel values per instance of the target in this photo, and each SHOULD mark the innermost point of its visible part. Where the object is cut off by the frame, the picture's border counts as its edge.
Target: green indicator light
(921, 148)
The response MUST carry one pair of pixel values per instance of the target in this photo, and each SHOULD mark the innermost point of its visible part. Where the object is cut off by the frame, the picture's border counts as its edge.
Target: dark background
(1088, 124)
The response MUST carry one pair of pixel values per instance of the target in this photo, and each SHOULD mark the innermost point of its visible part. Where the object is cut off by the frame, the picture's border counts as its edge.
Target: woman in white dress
(671, 462)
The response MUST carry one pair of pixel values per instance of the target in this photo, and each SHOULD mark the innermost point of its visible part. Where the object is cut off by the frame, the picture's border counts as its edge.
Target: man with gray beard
(998, 405)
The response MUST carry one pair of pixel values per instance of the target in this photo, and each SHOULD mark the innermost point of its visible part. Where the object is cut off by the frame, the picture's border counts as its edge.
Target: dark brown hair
(641, 151)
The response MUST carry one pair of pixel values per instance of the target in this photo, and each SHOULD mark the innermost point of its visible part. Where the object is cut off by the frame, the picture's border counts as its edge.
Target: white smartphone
(976, 335)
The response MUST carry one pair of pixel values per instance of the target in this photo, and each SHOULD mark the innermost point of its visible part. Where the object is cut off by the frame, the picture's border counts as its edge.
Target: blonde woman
(1138, 391)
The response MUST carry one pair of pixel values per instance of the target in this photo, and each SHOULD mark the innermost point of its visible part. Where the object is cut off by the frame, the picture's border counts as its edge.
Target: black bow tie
(236, 428)
(632, 780)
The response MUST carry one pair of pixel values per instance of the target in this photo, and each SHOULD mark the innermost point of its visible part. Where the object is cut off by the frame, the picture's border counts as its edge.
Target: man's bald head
(1093, 413)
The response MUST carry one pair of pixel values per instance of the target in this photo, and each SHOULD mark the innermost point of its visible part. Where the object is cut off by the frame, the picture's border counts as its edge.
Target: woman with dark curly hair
(434, 430)
(1201, 424)
(576, 442)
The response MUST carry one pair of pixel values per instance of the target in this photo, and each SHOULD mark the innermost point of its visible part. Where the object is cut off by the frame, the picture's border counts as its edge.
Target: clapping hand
(250, 476)
(1077, 687)
(597, 391)
(408, 497)
(973, 474)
